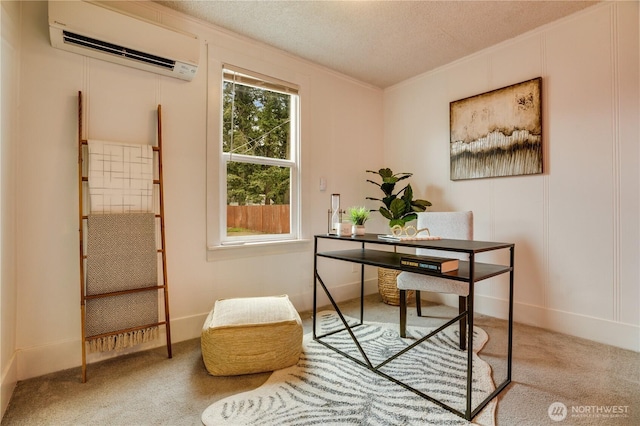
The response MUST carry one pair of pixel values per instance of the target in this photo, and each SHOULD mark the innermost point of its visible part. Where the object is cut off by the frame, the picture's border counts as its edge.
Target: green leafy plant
(399, 207)
(358, 215)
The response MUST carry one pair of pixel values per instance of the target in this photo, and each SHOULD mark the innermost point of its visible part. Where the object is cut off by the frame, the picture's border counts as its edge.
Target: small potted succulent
(358, 216)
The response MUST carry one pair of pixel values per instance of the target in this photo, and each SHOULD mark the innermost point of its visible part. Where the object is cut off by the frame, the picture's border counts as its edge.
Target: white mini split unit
(100, 32)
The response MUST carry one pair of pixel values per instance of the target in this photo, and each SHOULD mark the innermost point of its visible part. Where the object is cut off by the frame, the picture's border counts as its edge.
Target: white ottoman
(251, 335)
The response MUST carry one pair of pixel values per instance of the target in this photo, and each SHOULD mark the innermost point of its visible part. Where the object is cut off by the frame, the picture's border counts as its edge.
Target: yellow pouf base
(251, 335)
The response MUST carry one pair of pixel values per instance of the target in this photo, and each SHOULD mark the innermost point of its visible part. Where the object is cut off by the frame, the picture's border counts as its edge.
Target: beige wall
(9, 83)
(576, 226)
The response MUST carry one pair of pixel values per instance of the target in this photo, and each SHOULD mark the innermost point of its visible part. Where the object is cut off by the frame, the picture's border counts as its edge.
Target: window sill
(225, 252)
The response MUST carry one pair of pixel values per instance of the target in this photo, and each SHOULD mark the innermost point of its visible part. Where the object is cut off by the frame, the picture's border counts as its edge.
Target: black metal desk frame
(468, 271)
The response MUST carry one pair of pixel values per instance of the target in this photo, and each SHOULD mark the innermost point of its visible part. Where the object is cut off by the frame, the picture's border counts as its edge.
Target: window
(260, 137)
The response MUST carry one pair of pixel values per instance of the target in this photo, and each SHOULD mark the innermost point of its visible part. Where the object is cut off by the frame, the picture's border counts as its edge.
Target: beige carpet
(148, 389)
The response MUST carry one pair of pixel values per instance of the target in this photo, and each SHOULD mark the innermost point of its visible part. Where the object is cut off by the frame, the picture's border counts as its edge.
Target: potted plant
(398, 207)
(358, 216)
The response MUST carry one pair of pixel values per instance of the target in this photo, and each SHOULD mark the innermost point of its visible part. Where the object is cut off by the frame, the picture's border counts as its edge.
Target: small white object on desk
(343, 229)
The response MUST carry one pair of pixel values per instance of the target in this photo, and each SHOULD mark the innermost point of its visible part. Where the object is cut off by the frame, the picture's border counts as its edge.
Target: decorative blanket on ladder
(121, 255)
(120, 177)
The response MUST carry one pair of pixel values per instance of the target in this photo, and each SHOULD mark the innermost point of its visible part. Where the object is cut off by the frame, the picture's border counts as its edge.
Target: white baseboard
(304, 302)
(45, 359)
(39, 360)
(9, 381)
(621, 335)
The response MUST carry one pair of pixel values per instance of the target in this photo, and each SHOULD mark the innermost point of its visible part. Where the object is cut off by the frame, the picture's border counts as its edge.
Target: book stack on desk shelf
(431, 263)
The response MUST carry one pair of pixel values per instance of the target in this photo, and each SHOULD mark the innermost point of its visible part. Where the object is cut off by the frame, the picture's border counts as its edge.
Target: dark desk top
(464, 246)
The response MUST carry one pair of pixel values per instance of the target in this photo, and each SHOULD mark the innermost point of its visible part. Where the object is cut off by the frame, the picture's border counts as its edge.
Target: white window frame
(293, 163)
(219, 248)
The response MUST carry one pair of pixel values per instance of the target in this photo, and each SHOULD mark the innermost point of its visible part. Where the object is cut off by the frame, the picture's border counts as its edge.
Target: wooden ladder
(82, 218)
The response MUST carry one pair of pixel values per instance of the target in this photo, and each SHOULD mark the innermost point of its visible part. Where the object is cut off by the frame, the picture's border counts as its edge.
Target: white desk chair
(449, 225)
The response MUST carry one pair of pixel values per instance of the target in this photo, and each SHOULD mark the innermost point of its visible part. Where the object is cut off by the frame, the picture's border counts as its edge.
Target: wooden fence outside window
(271, 219)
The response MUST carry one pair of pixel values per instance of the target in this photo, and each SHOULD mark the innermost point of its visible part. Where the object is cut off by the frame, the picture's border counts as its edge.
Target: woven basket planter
(388, 288)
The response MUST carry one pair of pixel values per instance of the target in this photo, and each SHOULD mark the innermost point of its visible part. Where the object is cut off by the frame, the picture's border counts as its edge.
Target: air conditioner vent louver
(114, 49)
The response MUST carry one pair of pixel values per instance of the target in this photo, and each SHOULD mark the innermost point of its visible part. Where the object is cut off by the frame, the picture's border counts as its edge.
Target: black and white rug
(325, 388)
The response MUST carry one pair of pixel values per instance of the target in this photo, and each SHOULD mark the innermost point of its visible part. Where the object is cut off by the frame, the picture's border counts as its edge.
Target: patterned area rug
(325, 388)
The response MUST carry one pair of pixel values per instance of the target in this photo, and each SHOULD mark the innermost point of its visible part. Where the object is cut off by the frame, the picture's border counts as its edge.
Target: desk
(469, 271)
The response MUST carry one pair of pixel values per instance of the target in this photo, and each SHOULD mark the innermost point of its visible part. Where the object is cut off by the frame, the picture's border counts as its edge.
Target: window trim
(218, 58)
(261, 81)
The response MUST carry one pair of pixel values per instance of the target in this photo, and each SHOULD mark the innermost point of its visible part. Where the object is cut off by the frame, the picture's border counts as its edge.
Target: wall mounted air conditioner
(95, 30)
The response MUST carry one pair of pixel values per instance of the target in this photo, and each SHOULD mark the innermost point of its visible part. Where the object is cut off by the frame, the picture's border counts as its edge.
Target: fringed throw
(123, 340)
(121, 255)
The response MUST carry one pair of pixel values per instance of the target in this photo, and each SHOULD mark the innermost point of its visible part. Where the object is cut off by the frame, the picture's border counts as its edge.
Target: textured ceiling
(379, 42)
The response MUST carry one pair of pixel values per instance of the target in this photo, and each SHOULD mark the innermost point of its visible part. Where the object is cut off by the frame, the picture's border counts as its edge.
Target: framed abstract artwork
(497, 133)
